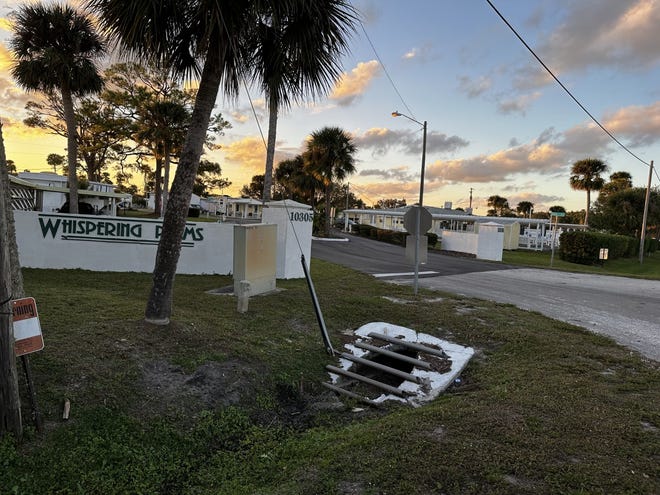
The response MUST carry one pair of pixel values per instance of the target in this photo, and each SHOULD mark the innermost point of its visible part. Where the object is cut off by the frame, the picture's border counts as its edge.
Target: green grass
(544, 407)
(628, 267)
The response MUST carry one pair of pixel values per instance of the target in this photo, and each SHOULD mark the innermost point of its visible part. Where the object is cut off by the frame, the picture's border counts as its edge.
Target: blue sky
(496, 122)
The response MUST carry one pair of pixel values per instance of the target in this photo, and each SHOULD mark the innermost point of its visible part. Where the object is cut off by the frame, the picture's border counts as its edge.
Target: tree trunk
(166, 175)
(586, 213)
(159, 305)
(270, 150)
(328, 192)
(72, 148)
(10, 405)
(158, 189)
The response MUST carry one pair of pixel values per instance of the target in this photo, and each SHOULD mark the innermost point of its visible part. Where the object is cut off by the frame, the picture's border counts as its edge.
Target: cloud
(381, 140)
(538, 157)
(6, 24)
(400, 174)
(381, 190)
(425, 53)
(474, 87)
(248, 152)
(352, 85)
(597, 33)
(519, 105)
(640, 125)
(541, 201)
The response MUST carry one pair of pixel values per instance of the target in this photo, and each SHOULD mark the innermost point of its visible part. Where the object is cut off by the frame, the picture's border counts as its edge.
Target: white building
(532, 233)
(46, 191)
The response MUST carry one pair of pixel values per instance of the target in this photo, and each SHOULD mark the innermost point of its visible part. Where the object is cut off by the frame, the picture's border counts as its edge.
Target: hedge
(584, 246)
(389, 236)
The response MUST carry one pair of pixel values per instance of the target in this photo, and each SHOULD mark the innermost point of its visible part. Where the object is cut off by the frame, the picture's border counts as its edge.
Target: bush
(389, 236)
(584, 247)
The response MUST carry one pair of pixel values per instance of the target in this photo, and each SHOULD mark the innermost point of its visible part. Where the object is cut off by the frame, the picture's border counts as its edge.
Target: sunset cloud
(381, 140)
(248, 152)
(616, 33)
(352, 85)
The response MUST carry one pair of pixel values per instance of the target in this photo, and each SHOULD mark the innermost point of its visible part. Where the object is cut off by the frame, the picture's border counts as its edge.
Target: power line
(564, 87)
(380, 61)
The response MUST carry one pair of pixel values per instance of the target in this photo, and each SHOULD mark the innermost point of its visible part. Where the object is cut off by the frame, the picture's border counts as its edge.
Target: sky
(497, 123)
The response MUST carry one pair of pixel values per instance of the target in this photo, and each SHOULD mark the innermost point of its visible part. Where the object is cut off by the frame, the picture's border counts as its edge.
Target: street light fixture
(421, 198)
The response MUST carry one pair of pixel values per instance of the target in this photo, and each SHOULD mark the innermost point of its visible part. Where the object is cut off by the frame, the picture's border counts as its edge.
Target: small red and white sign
(27, 329)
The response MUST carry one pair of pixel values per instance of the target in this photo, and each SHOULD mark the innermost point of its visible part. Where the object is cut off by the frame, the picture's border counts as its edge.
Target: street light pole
(418, 220)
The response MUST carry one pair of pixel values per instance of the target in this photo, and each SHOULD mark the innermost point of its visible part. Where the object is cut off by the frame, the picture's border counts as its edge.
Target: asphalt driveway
(625, 309)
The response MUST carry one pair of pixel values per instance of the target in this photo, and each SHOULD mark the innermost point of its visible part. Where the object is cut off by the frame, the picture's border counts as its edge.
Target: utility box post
(294, 235)
(255, 255)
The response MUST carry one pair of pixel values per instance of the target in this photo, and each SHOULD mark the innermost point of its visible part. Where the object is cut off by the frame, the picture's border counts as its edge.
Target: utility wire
(564, 87)
(380, 61)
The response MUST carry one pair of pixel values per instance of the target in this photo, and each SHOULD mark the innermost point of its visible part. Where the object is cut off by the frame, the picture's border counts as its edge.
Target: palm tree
(294, 54)
(193, 37)
(619, 181)
(55, 49)
(586, 177)
(525, 208)
(329, 158)
(498, 205)
(295, 182)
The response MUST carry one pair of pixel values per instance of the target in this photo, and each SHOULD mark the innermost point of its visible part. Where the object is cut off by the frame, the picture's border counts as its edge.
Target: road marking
(406, 274)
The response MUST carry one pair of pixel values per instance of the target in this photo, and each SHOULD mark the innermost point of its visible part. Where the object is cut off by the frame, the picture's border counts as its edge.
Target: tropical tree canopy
(525, 207)
(619, 181)
(295, 53)
(192, 37)
(498, 205)
(622, 212)
(55, 49)
(586, 176)
(330, 159)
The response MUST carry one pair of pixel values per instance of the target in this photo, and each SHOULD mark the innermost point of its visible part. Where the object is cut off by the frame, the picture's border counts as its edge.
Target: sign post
(554, 215)
(28, 339)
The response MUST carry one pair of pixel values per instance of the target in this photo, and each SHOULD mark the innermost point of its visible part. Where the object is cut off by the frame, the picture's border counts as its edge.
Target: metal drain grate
(383, 368)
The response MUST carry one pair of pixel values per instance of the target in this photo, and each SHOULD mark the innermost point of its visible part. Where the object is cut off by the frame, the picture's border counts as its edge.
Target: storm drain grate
(382, 366)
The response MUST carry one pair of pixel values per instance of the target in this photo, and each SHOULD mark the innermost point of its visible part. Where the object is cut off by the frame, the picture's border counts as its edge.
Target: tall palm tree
(193, 37)
(329, 158)
(295, 182)
(295, 53)
(498, 205)
(585, 176)
(55, 48)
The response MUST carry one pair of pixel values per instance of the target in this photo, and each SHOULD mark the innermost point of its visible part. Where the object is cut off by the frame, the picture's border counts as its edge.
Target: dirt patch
(212, 385)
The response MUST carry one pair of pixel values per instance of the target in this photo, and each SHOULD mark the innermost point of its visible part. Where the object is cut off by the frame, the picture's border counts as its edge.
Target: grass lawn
(225, 403)
(628, 267)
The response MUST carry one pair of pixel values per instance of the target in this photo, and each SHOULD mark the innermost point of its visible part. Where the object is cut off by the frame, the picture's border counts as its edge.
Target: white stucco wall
(122, 244)
(461, 242)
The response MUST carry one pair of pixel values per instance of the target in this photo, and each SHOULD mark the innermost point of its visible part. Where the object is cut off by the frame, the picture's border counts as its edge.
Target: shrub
(584, 247)
(432, 238)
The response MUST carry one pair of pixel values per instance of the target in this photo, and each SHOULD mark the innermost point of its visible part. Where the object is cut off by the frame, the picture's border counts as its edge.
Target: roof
(82, 192)
(461, 216)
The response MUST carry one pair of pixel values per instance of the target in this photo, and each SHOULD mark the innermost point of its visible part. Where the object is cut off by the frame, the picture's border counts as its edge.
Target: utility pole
(642, 236)
(470, 198)
(348, 184)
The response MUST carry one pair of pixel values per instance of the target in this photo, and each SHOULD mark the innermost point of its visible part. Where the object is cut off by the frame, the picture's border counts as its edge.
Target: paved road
(625, 309)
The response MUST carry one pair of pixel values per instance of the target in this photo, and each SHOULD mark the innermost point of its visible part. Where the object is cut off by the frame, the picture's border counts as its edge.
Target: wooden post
(10, 404)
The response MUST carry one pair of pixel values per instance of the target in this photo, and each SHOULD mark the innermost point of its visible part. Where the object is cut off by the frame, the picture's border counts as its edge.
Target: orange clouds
(353, 84)
(249, 152)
